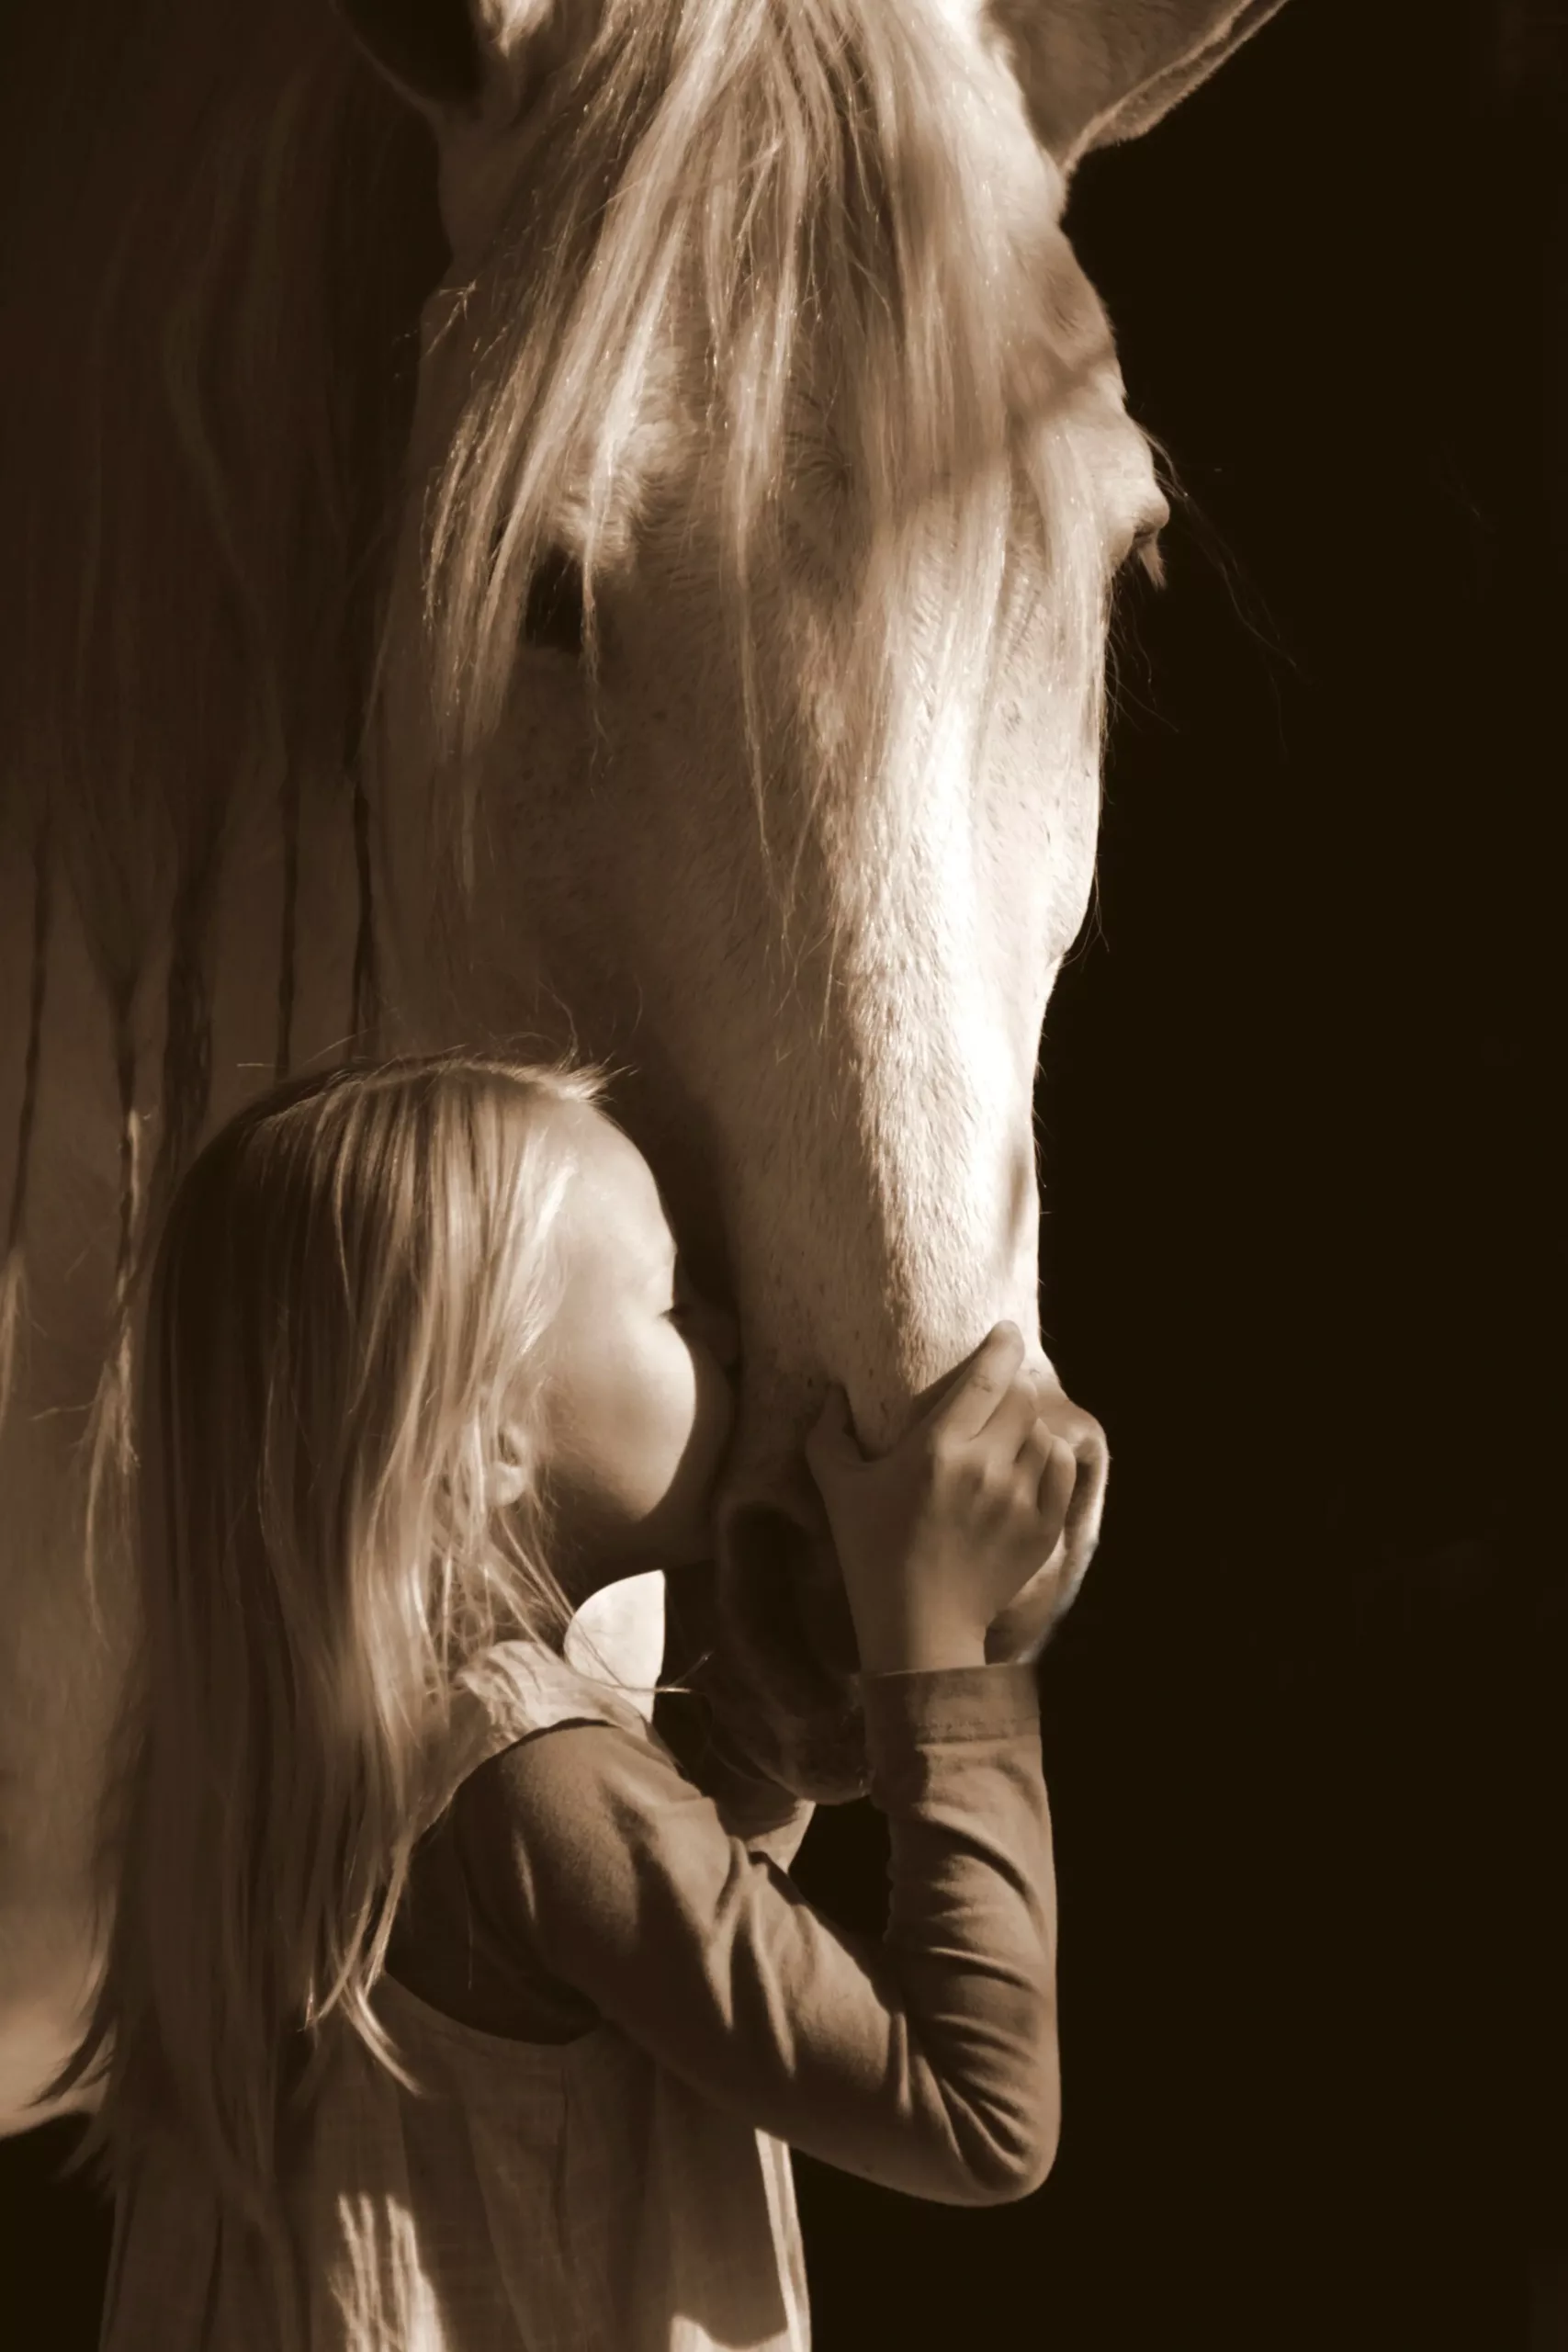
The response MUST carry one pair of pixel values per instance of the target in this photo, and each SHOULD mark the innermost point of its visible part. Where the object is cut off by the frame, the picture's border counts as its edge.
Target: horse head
(741, 685)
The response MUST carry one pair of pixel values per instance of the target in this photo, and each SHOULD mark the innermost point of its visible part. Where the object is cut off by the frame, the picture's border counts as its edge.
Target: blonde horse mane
(220, 236)
(782, 173)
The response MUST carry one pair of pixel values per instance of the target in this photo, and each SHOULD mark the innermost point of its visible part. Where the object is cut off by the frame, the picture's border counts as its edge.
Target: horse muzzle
(787, 1681)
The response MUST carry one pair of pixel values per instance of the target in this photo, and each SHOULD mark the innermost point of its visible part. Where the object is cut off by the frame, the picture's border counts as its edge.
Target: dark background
(1303, 1253)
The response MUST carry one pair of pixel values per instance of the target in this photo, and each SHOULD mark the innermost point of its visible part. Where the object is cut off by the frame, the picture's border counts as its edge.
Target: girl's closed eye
(700, 1321)
(685, 1299)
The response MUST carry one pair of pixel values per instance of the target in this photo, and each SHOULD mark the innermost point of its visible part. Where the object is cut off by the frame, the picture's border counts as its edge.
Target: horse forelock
(725, 209)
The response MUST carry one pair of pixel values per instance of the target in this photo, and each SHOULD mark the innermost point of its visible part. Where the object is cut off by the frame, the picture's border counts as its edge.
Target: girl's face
(636, 1403)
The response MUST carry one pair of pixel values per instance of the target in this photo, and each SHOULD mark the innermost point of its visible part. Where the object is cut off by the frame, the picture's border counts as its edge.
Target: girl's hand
(936, 1537)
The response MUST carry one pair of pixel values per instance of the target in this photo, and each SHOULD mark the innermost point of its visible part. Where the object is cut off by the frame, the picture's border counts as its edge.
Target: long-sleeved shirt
(585, 1877)
(619, 2013)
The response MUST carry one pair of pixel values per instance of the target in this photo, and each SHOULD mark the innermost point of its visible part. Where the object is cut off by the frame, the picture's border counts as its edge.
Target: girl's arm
(925, 2059)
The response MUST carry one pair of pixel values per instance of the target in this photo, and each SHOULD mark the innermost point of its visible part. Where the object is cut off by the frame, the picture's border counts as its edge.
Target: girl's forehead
(610, 1168)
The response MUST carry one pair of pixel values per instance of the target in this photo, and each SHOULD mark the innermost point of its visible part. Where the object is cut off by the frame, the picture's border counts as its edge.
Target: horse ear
(1094, 71)
(427, 49)
(471, 68)
(458, 60)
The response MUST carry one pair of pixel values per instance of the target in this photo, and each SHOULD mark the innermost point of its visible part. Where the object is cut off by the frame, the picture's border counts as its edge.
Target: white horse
(566, 522)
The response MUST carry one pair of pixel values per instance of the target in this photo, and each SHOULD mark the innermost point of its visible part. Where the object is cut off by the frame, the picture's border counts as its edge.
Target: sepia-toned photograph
(783, 1301)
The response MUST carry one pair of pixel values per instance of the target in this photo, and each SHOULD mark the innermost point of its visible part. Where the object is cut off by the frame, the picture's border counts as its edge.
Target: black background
(1303, 1253)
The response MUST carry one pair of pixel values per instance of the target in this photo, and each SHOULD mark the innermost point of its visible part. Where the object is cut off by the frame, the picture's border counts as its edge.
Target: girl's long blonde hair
(343, 1332)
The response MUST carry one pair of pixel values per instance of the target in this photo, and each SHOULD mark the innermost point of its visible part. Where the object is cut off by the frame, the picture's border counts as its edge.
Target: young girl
(442, 2011)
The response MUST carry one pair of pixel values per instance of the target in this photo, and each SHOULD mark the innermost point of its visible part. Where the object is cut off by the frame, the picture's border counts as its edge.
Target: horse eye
(552, 620)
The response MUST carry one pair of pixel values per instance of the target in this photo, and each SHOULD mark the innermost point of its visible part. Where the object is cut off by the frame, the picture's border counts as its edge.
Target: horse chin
(790, 1646)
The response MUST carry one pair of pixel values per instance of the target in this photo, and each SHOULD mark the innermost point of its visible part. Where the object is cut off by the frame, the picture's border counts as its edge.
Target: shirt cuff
(951, 1702)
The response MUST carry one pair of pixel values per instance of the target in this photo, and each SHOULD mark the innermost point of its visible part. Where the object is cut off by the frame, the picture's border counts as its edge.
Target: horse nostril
(787, 1585)
(765, 1543)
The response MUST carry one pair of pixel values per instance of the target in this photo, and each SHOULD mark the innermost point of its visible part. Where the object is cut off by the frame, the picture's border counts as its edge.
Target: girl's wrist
(916, 1645)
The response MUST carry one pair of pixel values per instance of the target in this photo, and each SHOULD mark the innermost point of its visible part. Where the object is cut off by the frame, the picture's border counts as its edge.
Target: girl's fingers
(966, 1409)
(1057, 1481)
(1012, 1424)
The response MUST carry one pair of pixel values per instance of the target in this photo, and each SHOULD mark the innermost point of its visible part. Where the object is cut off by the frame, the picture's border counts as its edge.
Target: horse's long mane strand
(287, 923)
(218, 231)
(364, 993)
(13, 1283)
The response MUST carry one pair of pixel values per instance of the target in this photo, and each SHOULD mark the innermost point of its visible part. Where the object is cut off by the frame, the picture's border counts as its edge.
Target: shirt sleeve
(751, 1807)
(924, 2060)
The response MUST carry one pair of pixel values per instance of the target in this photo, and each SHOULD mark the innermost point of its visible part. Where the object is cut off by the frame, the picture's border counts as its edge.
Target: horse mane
(220, 233)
